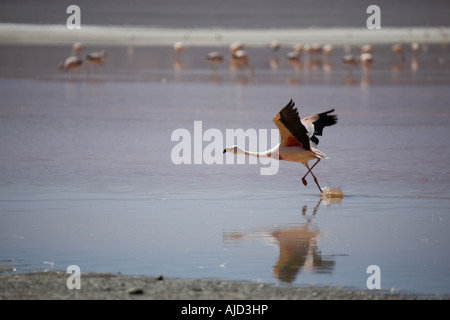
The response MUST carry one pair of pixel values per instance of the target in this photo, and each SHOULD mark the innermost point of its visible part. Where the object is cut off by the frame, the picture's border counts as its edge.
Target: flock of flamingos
(238, 58)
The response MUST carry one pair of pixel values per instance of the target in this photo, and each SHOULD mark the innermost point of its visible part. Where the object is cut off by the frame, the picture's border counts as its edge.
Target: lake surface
(229, 14)
(87, 175)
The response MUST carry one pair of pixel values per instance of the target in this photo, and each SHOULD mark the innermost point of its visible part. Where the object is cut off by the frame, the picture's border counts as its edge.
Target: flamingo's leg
(309, 171)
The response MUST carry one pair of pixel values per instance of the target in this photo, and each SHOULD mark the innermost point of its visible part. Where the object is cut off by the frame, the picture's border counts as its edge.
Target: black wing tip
(327, 112)
(289, 106)
(325, 120)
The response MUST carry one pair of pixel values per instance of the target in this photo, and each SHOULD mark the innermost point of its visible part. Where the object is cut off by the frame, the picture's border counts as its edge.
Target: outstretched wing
(292, 131)
(315, 123)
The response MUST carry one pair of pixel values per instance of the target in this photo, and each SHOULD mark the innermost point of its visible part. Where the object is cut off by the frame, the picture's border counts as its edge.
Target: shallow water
(86, 175)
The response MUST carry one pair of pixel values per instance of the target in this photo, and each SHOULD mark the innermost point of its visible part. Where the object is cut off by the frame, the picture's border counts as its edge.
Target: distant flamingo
(312, 59)
(214, 58)
(314, 48)
(178, 47)
(327, 50)
(77, 47)
(293, 57)
(96, 58)
(366, 58)
(298, 47)
(275, 45)
(239, 60)
(238, 56)
(415, 47)
(298, 139)
(235, 46)
(350, 61)
(398, 50)
(366, 48)
(71, 63)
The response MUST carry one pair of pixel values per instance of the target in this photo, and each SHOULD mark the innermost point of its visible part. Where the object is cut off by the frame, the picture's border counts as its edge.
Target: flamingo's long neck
(248, 153)
(265, 154)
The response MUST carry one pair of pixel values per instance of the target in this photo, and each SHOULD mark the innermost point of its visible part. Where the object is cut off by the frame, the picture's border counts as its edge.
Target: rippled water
(86, 175)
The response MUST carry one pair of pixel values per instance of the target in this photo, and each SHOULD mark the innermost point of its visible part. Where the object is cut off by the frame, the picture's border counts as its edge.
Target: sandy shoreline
(105, 286)
(148, 36)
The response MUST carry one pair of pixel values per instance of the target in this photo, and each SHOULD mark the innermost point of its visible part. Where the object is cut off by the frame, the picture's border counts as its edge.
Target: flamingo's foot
(305, 183)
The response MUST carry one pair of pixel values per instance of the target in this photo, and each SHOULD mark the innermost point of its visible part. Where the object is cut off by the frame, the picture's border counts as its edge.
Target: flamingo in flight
(298, 138)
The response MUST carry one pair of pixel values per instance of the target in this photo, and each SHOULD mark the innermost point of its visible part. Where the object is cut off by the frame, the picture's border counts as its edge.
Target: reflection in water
(215, 78)
(297, 243)
(178, 64)
(298, 249)
(274, 63)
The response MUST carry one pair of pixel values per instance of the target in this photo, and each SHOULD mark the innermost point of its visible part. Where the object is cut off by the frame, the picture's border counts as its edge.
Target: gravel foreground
(104, 286)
